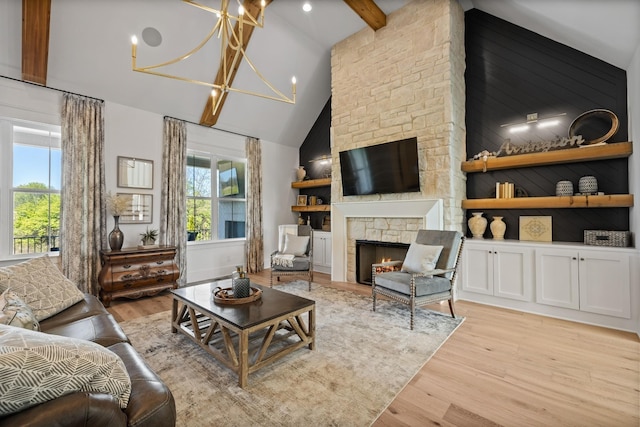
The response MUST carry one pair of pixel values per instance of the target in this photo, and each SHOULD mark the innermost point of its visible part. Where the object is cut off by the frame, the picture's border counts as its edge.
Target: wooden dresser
(133, 272)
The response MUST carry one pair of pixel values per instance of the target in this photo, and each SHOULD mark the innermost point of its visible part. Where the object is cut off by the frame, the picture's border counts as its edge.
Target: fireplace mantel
(430, 210)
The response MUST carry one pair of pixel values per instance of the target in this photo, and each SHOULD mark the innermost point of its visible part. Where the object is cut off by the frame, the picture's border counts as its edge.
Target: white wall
(633, 96)
(131, 132)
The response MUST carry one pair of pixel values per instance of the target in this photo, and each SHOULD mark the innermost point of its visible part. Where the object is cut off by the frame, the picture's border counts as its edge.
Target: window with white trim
(216, 197)
(30, 184)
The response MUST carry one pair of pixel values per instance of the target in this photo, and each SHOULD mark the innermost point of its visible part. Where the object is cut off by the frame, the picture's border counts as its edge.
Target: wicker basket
(607, 238)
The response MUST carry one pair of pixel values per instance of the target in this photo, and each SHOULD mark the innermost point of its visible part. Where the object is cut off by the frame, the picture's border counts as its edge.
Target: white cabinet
(322, 251)
(590, 280)
(499, 269)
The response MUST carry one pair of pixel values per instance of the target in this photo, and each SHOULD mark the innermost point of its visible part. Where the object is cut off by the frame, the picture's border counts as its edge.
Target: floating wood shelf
(571, 155)
(311, 208)
(312, 183)
(552, 202)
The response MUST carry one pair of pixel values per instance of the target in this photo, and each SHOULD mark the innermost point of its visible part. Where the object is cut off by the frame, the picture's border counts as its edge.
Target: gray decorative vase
(588, 184)
(116, 237)
(564, 188)
(241, 287)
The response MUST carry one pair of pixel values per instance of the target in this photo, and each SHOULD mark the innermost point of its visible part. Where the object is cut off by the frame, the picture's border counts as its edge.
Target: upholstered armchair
(294, 256)
(426, 275)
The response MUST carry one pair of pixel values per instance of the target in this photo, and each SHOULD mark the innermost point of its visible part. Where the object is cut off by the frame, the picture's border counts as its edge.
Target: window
(31, 162)
(216, 197)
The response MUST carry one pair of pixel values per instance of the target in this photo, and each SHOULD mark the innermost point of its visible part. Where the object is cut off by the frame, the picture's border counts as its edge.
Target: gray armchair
(418, 283)
(294, 256)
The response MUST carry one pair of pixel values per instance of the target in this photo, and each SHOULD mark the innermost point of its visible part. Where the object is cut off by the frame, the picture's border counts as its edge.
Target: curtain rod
(52, 88)
(211, 127)
(102, 100)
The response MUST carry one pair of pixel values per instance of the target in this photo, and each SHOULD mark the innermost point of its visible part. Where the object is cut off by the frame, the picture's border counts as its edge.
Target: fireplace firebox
(369, 252)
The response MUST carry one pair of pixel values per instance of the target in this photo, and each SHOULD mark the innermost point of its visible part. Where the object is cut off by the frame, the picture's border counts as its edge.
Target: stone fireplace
(404, 80)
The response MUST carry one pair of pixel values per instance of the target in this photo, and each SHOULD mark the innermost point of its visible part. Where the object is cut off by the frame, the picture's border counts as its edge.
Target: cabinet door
(605, 283)
(477, 266)
(327, 250)
(513, 272)
(557, 278)
(322, 252)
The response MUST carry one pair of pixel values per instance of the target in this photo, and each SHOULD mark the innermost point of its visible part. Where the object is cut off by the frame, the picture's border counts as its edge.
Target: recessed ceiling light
(306, 7)
(151, 36)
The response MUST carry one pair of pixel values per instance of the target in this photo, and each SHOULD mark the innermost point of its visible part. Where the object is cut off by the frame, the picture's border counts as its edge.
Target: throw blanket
(283, 260)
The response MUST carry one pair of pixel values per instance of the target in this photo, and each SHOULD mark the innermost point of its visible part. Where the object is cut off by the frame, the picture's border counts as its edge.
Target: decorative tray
(225, 296)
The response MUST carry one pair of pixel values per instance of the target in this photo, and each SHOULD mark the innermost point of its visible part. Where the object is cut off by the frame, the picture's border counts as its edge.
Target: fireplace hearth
(369, 252)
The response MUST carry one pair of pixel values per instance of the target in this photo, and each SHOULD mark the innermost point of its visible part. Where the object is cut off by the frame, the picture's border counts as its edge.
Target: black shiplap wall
(512, 72)
(315, 145)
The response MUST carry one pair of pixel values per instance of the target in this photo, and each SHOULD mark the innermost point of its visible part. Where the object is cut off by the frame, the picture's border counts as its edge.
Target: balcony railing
(35, 244)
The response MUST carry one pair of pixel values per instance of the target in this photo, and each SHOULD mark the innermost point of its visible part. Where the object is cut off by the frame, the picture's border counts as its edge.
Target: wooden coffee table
(244, 337)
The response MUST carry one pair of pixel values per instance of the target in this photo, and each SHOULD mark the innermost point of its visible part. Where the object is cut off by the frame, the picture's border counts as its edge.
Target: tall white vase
(477, 224)
(498, 227)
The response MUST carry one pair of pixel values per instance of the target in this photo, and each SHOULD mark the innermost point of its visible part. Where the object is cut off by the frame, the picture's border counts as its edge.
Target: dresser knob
(127, 266)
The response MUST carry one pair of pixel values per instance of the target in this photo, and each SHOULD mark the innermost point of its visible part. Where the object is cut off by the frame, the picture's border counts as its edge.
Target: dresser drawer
(134, 267)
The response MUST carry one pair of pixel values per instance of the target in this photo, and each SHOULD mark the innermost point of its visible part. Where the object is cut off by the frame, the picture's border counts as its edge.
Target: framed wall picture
(139, 208)
(135, 173)
(535, 228)
(302, 200)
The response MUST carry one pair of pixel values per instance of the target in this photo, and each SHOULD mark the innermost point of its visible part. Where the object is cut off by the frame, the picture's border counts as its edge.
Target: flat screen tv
(386, 168)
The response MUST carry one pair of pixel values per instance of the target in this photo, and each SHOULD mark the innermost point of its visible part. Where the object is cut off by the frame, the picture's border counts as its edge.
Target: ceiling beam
(369, 11)
(36, 17)
(208, 118)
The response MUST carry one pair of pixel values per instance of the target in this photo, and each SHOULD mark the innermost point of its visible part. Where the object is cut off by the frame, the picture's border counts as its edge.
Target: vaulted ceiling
(90, 50)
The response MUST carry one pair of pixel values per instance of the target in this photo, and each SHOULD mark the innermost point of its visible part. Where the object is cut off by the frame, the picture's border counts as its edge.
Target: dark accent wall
(512, 72)
(315, 145)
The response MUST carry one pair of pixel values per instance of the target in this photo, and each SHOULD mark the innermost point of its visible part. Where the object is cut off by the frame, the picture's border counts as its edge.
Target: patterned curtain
(83, 225)
(255, 240)
(173, 203)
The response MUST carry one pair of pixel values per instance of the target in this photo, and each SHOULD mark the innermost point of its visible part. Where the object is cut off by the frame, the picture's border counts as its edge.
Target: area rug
(362, 360)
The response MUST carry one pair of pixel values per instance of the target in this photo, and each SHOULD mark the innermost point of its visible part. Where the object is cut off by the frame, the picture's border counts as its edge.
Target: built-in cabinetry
(596, 281)
(312, 183)
(505, 271)
(572, 281)
(322, 251)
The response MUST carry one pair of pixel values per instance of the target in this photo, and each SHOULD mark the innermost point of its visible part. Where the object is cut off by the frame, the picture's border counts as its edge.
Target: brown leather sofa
(151, 403)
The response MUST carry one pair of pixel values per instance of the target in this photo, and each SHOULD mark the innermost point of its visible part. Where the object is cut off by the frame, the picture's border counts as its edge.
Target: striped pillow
(36, 367)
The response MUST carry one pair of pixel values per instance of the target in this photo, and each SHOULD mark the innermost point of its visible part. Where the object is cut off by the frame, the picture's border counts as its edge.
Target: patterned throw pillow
(41, 285)
(14, 312)
(36, 367)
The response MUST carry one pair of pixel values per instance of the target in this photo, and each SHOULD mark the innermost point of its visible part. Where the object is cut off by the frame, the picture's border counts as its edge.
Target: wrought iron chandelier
(229, 29)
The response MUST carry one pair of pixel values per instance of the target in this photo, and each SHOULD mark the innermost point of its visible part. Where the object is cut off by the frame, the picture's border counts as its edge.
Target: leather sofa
(150, 404)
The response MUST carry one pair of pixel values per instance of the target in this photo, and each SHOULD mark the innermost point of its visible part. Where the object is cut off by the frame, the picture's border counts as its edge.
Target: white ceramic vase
(301, 173)
(477, 224)
(498, 227)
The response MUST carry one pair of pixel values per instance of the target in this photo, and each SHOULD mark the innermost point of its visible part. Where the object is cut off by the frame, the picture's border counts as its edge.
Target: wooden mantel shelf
(312, 183)
(552, 202)
(571, 155)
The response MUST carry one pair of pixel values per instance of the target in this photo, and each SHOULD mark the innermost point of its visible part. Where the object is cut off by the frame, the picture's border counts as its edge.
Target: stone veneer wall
(404, 80)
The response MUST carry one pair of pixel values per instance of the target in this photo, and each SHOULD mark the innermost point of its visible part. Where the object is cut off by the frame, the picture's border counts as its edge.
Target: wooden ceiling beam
(208, 118)
(369, 11)
(36, 17)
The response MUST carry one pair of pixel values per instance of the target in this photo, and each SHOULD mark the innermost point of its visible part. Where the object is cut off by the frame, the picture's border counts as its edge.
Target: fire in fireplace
(369, 252)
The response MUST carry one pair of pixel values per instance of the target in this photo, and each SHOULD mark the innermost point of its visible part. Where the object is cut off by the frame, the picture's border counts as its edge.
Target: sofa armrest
(82, 409)
(151, 403)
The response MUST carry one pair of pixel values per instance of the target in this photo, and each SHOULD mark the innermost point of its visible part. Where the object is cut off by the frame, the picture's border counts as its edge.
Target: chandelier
(230, 30)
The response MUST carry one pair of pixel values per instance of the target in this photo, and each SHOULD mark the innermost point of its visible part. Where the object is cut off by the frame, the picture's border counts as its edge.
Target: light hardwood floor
(502, 368)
